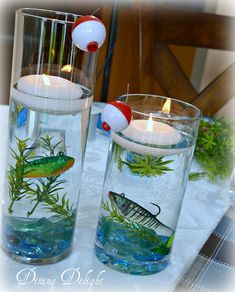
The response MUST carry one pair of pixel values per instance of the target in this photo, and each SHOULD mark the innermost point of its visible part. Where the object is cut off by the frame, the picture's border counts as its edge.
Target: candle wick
(127, 91)
(150, 123)
(46, 80)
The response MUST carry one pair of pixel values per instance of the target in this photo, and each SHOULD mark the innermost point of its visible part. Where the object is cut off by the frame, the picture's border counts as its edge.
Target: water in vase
(140, 206)
(46, 150)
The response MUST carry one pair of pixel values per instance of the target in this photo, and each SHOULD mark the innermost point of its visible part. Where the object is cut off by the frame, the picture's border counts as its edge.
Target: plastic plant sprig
(118, 150)
(46, 192)
(43, 192)
(147, 165)
(139, 230)
(215, 149)
(47, 145)
(17, 184)
(194, 176)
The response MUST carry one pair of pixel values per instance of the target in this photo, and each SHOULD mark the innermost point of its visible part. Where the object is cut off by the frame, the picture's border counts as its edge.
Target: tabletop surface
(204, 205)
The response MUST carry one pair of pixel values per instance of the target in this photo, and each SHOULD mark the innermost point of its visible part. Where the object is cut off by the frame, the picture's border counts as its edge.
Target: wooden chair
(165, 26)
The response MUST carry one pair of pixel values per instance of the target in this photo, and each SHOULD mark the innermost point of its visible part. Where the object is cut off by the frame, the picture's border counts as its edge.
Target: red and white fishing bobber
(88, 33)
(116, 116)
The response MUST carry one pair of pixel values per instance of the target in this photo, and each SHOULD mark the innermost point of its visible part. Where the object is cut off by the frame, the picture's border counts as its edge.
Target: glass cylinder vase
(146, 175)
(51, 94)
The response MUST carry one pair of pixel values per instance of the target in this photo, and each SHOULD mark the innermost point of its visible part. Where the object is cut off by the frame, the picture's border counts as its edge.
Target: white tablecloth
(203, 207)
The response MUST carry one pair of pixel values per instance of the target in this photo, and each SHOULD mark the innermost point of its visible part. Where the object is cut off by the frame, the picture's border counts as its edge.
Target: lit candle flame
(167, 106)
(46, 80)
(150, 123)
(66, 68)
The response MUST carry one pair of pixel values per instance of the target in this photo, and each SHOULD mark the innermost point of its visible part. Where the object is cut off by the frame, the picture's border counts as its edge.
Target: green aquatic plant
(46, 193)
(118, 150)
(40, 192)
(43, 191)
(46, 144)
(17, 184)
(63, 208)
(215, 149)
(145, 165)
(193, 176)
(164, 248)
(139, 230)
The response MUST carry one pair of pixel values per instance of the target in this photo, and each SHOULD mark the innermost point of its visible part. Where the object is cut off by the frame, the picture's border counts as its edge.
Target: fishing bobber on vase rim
(116, 116)
(88, 33)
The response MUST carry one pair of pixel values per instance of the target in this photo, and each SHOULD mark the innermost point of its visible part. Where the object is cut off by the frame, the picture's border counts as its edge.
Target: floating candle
(50, 93)
(152, 132)
(149, 137)
(49, 86)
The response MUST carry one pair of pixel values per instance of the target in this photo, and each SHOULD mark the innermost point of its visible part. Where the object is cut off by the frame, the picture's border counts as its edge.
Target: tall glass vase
(51, 94)
(144, 185)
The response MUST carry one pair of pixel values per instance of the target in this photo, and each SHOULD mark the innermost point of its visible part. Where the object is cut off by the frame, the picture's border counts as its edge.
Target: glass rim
(23, 11)
(198, 113)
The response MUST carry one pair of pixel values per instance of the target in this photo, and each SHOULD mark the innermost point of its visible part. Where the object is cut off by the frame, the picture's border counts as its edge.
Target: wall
(217, 61)
(128, 55)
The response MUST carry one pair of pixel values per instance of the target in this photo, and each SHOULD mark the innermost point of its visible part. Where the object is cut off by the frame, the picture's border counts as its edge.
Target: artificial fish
(134, 212)
(48, 166)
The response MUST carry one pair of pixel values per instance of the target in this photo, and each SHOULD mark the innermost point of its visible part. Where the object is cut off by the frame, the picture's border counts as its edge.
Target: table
(204, 205)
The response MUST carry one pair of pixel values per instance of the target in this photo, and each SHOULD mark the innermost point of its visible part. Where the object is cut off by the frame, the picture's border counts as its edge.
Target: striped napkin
(214, 267)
